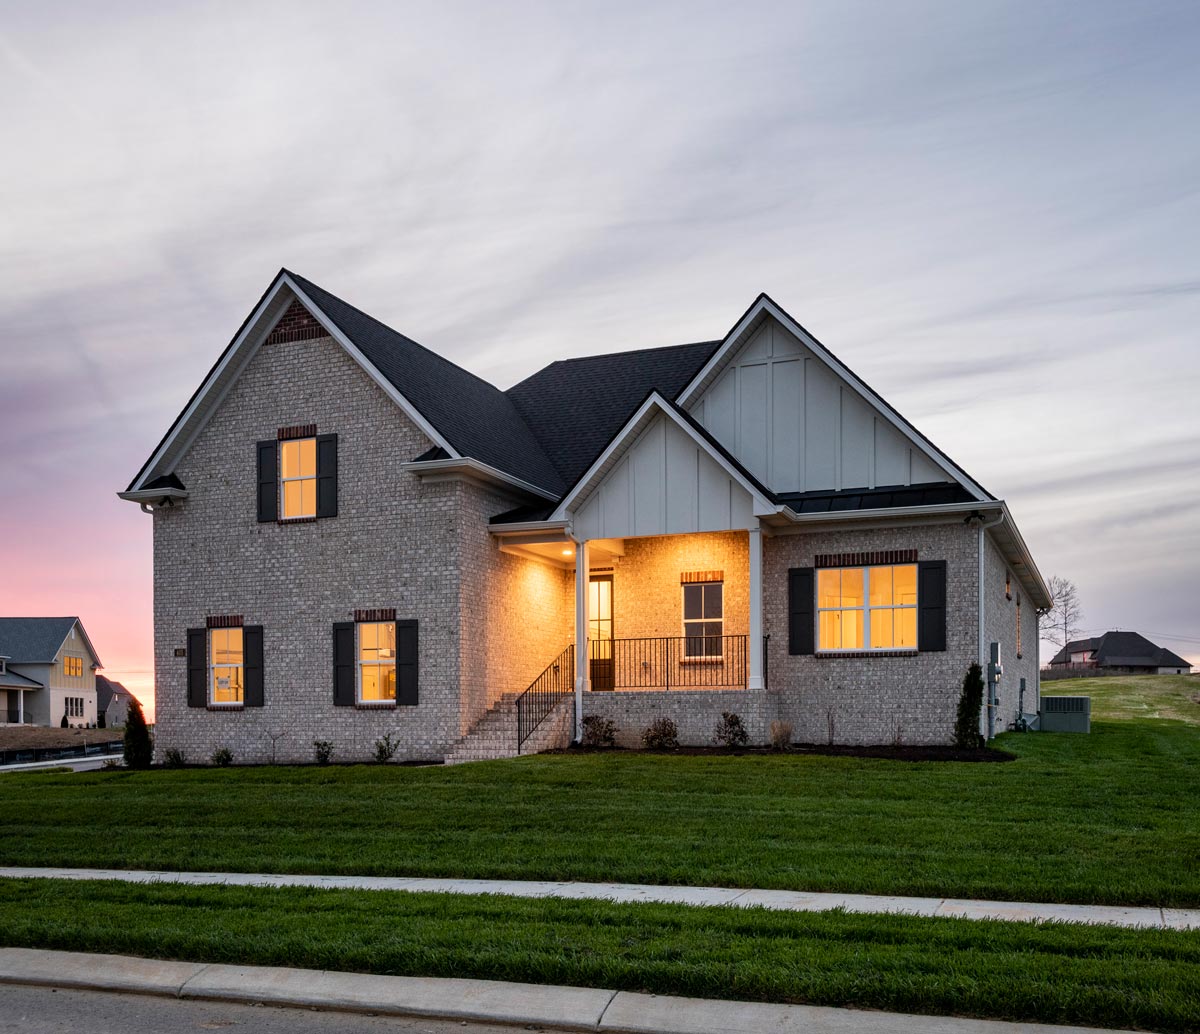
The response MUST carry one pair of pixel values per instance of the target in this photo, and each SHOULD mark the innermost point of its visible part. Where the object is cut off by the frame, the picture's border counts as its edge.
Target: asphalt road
(44, 1010)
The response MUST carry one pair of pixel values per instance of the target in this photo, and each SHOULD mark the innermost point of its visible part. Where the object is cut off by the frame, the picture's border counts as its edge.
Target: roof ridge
(631, 351)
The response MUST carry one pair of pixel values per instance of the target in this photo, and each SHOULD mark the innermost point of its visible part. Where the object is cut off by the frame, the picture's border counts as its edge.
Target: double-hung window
(227, 666)
(298, 477)
(377, 662)
(867, 608)
(73, 666)
(703, 619)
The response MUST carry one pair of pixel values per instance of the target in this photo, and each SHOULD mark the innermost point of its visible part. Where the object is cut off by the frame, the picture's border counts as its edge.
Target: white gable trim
(233, 363)
(625, 439)
(764, 306)
(87, 642)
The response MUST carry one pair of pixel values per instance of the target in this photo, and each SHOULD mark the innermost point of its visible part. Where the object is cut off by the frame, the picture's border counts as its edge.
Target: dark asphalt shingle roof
(14, 680)
(106, 689)
(931, 494)
(476, 417)
(575, 406)
(33, 640)
(1122, 650)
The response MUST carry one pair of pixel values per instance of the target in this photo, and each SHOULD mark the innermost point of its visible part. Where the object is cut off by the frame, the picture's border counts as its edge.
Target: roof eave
(468, 466)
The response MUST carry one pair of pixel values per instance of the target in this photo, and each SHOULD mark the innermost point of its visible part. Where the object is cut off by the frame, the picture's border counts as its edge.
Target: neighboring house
(47, 671)
(1122, 651)
(112, 701)
(353, 536)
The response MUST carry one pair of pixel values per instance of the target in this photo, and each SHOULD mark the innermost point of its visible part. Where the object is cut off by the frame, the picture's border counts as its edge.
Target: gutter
(467, 465)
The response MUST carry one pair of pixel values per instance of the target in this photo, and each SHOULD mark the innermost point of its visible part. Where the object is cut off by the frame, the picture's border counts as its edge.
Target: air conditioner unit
(1066, 714)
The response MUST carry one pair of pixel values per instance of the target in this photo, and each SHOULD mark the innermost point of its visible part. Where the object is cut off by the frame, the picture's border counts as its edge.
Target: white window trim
(232, 704)
(713, 658)
(283, 481)
(359, 663)
(865, 610)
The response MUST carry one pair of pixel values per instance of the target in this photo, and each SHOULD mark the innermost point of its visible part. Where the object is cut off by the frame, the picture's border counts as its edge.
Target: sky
(989, 211)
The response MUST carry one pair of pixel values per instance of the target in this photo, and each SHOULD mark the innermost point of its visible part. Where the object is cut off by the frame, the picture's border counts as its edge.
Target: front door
(600, 631)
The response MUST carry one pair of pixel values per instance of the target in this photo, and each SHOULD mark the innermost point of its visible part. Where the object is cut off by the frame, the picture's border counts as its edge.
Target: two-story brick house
(354, 537)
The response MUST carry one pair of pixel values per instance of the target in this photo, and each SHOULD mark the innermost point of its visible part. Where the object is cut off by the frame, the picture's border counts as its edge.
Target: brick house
(354, 537)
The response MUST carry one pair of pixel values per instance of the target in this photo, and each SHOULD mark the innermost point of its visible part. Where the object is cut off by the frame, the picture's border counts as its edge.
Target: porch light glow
(568, 552)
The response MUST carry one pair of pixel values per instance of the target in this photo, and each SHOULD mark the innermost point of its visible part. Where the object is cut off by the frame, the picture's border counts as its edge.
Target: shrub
(385, 749)
(139, 751)
(599, 732)
(661, 735)
(173, 758)
(324, 751)
(100, 721)
(730, 731)
(781, 735)
(64, 724)
(110, 763)
(970, 704)
(222, 757)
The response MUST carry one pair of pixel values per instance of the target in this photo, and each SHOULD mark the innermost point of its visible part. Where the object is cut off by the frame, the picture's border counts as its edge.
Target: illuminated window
(703, 619)
(298, 477)
(376, 661)
(73, 666)
(867, 608)
(227, 665)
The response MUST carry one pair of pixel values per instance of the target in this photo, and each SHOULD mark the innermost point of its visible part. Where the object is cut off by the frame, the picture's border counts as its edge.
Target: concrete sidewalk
(782, 900)
(531, 1005)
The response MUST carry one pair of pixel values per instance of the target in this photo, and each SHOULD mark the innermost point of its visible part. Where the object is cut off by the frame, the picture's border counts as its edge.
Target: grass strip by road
(1053, 973)
(1110, 818)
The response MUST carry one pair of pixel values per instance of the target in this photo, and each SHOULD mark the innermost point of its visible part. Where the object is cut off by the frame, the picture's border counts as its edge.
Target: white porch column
(755, 677)
(582, 669)
(21, 706)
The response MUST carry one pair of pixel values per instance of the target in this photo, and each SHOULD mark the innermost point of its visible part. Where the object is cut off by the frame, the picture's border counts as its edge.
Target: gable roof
(575, 407)
(38, 640)
(1122, 650)
(107, 690)
(475, 417)
(15, 680)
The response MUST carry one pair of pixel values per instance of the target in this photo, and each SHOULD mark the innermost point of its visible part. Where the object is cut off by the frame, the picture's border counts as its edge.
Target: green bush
(970, 704)
(222, 757)
(174, 759)
(661, 735)
(599, 732)
(323, 750)
(385, 749)
(729, 731)
(139, 751)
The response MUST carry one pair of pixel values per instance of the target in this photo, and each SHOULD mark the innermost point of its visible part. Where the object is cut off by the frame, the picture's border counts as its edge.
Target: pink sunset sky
(988, 211)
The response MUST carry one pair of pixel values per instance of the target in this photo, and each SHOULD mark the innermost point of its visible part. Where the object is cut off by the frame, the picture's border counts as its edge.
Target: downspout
(981, 525)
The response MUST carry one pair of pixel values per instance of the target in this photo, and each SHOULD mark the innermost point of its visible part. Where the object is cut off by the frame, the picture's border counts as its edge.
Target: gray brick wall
(859, 700)
(1000, 625)
(694, 712)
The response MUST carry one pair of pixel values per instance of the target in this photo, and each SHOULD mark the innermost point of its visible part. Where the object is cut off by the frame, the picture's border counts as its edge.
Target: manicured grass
(1054, 973)
(1113, 817)
(1124, 697)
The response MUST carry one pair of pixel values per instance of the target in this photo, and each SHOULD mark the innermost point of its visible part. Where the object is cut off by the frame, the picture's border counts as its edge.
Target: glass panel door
(600, 631)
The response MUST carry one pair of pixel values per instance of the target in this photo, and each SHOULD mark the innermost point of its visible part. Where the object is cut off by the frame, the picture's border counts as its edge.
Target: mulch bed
(888, 753)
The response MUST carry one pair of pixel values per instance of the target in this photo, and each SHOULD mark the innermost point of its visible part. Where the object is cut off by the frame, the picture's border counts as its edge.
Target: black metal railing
(669, 662)
(536, 703)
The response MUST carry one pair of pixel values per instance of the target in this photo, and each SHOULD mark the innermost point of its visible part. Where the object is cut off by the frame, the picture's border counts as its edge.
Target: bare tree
(1061, 623)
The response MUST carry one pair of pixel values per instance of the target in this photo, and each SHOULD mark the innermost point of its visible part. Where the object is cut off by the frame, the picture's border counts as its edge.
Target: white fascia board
(153, 495)
(468, 466)
(554, 530)
(1036, 582)
(625, 438)
(935, 510)
(765, 305)
(236, 358)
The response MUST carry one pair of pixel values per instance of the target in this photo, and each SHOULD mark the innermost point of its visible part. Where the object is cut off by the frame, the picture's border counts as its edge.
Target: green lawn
(1052, 973)
(1135, 696)
(1113, 817)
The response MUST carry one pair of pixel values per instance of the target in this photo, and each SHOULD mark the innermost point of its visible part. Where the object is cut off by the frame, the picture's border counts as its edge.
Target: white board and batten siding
(665, 484)
(798, 427)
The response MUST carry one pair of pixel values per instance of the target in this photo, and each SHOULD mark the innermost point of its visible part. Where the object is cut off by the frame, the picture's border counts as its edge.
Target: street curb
(489, 1001)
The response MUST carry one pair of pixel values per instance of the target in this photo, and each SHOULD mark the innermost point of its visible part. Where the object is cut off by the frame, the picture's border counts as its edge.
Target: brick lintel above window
(691, 577)
(287, 434)
(883, 556)
(379, 614)
(224, 621)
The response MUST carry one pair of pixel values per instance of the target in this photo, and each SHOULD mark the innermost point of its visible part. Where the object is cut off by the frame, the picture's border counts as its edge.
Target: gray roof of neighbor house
(476, 417)
(106, 689)
(36, 640)
(1122, 650)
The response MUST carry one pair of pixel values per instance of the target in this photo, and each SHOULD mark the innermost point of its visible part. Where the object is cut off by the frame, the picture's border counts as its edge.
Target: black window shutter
(802, 595)
(268, 480)
(197, 667)
(327, 475)
(931, 606)
(252, 660)
(406, 663)
(343, 664)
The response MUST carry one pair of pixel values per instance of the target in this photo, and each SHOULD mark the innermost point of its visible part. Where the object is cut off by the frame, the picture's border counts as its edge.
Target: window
(377, 662)
(227, 665)
(73, 666)
(867, 608)
(73, 707)
(703, 619)
(298, 477)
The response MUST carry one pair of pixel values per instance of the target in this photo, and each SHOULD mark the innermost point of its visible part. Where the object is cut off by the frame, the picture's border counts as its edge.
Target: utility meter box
(1066, 714)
